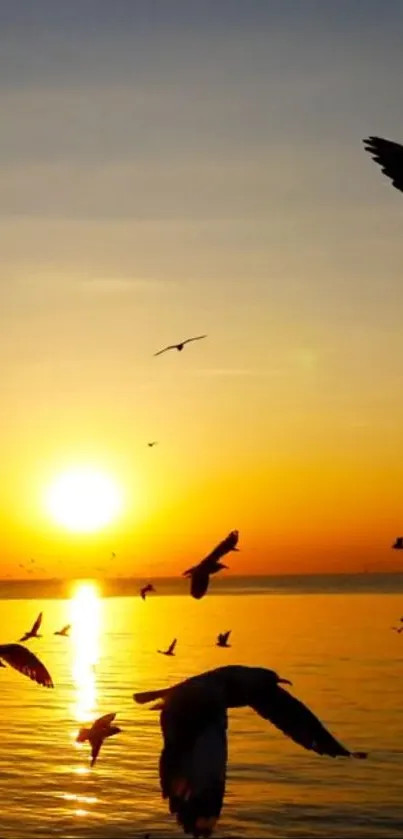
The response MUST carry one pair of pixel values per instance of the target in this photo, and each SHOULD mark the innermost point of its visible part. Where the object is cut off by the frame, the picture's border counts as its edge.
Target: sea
(330, 635)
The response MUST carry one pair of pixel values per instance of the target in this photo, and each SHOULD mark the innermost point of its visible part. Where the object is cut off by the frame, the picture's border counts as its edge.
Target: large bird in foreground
(33, 633)
(389, 156)
(26, 663)
(181, 345)
(99, 731)
(193, 720)
(199, 574)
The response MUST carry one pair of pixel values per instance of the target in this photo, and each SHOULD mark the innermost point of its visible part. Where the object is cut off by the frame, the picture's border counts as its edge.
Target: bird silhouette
(200, 574)
(398, 544)
(33, 633)
(153, 443)
(180, 346)
(397, 629)
(145, 590)
(99, 731)
(170, 650)
(389, 156)
(26, 663)
(222, 639)
(194, 726)
(65, 631)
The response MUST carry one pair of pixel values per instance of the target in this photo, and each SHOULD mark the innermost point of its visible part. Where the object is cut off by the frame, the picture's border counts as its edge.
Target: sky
(185, 168)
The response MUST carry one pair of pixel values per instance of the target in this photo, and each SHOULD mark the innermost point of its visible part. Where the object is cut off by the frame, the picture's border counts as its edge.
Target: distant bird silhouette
(33, 633)
(397, 629)
(145, 590)
(170, 650)
(199, 574)
(26, 663)
(222, 639)
(99, 731)
(194, 726)
(389, 156)
(180, 346)
(398, 545)
(65, 631)
(153, 443)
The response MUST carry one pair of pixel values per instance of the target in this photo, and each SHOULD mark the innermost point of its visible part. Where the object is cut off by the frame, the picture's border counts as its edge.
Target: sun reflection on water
(85, 616)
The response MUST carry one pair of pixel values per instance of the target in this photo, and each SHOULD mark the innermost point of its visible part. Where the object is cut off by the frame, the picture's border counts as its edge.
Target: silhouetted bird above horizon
(99, 731)
(33, 633)
(397, 629)
(193, 721)
(26, 663)
(180, 346)
(145, 590)
(65, 631)
(199, 574)
(222, 639)
(153, 443)
(170, 650)
(389, 156)
(398, 545)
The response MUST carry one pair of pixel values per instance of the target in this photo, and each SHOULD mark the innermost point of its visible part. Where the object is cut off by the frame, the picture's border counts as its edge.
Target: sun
(83, 500)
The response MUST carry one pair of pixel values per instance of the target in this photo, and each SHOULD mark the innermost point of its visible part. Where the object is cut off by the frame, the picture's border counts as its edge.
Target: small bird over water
(33, 633)
(200, 574)
(170, 650)
(26, 663)
(99, 731)
(193, 721)
(65, 631)
(180, 346)
(222, 639)
(146, 590)
(153, 443)
(398, 545)
(389, 156)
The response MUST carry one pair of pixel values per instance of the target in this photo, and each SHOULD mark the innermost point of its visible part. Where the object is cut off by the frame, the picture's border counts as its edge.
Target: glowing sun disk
(83, 500)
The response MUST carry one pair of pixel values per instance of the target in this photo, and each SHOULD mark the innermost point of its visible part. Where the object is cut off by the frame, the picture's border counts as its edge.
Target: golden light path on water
(85, 618)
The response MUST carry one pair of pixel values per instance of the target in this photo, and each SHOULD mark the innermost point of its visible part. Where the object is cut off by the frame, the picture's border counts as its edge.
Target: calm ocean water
(335, 645)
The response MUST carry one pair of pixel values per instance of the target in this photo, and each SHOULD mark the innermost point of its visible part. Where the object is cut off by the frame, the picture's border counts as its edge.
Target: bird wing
(66, 628)
(227, 544)
(37, 624)
(25, 637)
(172, 646)
(295, 720)
(226, 636)
(171, 347)
(193, 760)
(199, 583)
(196, 338)
(389, 156)
(101, 723)
(95, 748)
(149, 695)
(26, 663)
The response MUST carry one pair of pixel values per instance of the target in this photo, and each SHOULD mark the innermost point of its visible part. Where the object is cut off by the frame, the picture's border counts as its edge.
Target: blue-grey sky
(169, 168)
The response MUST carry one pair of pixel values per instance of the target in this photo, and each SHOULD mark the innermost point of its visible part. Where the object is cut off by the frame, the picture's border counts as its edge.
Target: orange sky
(149, 194)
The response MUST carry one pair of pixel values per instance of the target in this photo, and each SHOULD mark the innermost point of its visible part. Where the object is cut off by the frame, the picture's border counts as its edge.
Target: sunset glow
(83, 500)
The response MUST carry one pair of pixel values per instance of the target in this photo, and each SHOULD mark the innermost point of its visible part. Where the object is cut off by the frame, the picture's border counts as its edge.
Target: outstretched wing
(228, 544)
(37, 624)
(102, 722)
(171, 347)
(196, 338)
(95, 748)
(193, 760)
(295, 720)
(26, 663)
(226, 635)
(389, 156)
(172, 646)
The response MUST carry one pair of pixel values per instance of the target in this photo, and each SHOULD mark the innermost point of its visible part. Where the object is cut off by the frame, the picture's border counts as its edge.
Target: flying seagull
(170, 650)
(194, 726)
(145, 590)
(33, 633)
(180, 346)
(99, 731)
(389, 156)
(153, 443)
(65, 631)
(199, 574)
(222, 639)
(398, 545)
(26, 663)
